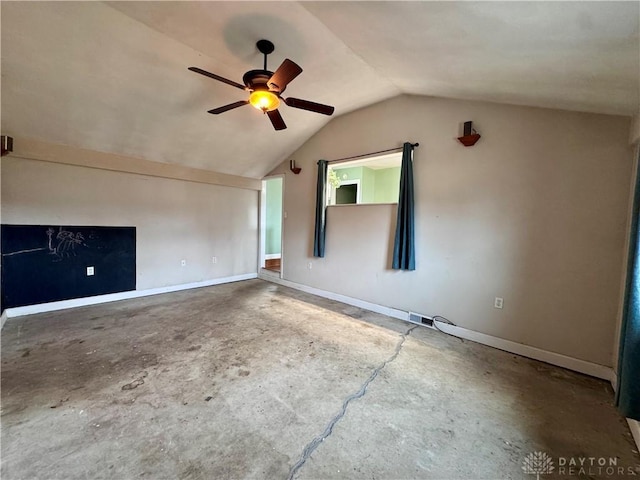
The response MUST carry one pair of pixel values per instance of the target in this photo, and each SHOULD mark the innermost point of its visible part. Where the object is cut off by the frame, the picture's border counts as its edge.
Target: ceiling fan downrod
(265, 47)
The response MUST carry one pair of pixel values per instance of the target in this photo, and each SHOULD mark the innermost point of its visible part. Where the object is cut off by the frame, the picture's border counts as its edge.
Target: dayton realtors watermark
(540, 463)
(600, 466)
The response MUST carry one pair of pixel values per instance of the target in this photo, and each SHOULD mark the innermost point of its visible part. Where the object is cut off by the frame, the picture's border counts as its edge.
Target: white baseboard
(570, 363)
(614, 380)
(272, 256)
(373, 307)
(114, 297)
(582, 366)
(3, 318)
(634, 425)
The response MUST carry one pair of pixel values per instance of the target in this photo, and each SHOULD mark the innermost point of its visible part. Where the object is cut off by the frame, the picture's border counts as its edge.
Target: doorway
(346, 194)
(271, 225)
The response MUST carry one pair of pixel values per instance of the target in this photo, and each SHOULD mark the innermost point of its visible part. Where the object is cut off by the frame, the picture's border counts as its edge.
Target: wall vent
(421, 319)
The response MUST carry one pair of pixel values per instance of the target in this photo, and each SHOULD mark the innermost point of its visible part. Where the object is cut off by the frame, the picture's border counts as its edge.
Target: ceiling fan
(265, 89)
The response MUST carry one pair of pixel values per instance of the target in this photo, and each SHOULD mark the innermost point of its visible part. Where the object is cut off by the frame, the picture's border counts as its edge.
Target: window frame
(336, 166)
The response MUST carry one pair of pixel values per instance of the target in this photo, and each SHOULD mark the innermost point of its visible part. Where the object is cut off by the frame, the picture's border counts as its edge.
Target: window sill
(361, 204)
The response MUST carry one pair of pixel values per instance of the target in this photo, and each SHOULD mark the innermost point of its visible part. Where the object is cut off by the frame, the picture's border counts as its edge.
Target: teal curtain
(404, 256)
(321, 210)
(628, 392)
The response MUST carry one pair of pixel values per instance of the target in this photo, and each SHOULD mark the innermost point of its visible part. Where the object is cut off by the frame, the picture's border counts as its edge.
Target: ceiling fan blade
(276, 120)
(283, 75)
(217, 77)
(311, 106)
(226, 108)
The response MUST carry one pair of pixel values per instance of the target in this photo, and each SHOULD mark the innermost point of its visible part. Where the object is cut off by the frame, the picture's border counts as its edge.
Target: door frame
(262, 244)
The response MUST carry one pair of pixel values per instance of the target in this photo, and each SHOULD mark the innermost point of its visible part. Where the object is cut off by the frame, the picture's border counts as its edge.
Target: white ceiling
(113, 76)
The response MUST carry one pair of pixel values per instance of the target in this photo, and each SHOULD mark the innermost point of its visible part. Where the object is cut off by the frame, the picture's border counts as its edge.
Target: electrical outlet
(498, 302)
(214, 259)
(183, 263)
(310, 265)
(90, 271)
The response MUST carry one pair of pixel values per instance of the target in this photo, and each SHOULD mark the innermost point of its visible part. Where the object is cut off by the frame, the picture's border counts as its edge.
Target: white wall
(534, 213)
(175, 219)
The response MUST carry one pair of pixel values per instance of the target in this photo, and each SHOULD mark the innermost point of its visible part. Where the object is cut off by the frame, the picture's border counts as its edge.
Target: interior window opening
(365, 181)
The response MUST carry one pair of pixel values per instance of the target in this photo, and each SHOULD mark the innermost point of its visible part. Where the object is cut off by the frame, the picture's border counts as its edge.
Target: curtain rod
(372, 153)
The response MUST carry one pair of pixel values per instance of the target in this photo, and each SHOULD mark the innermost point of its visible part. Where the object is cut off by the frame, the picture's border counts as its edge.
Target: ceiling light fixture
(264, 100)
(266, 87)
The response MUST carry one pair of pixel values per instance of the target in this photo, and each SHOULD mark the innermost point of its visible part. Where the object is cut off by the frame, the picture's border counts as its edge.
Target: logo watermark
(540, 463)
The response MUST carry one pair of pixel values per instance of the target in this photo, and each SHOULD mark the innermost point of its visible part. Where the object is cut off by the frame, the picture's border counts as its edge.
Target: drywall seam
(570, 363)
(114, 297)
(48, 152)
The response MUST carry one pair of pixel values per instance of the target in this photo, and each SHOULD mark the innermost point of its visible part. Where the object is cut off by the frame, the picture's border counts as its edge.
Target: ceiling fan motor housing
(257, 80)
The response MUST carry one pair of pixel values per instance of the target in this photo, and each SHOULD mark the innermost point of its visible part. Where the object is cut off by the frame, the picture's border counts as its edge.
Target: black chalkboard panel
(47, 263)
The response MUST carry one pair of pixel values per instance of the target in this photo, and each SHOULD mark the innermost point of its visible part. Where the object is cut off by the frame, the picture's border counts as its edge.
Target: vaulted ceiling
(113, 76)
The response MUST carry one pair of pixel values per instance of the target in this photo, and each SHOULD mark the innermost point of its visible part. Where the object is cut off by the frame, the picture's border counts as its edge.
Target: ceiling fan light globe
(264, 100)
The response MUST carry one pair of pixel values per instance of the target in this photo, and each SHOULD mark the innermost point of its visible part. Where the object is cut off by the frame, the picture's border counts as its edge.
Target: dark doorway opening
(346, 194)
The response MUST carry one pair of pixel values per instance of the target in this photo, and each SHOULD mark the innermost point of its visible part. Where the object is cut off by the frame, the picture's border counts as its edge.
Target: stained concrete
(254, 380)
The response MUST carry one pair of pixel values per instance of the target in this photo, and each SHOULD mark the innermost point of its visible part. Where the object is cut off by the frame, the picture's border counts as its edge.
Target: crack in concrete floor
(315, 443)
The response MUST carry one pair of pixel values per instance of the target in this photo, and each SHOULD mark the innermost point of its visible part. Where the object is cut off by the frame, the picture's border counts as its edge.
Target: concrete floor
(254, 380)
